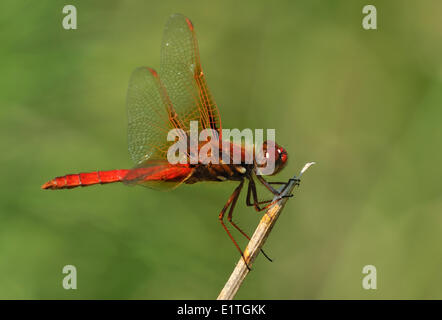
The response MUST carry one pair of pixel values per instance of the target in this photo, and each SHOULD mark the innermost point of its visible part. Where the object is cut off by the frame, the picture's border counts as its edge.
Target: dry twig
(258, 239)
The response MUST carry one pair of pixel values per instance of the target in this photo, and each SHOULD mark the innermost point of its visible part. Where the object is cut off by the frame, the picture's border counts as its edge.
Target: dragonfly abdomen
(85, 179)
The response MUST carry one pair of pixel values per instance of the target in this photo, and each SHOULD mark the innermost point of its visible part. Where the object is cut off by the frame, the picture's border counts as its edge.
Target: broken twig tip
(306, 166)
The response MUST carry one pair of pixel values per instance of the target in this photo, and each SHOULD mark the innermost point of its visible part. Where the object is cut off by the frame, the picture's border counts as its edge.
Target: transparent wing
(154, 107)
(183, 77)
(149, 116)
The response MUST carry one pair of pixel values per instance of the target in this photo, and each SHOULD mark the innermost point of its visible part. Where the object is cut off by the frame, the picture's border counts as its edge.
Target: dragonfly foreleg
(267, 185)
(251, 190)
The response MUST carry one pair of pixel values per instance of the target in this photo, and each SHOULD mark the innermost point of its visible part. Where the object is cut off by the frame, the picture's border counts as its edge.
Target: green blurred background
(366, 105)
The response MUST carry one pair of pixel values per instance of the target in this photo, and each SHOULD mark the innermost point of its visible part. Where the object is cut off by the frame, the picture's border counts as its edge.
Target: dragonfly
(170, 99)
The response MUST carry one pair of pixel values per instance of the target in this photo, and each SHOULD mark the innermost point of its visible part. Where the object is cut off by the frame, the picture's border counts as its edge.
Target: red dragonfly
(156, 104)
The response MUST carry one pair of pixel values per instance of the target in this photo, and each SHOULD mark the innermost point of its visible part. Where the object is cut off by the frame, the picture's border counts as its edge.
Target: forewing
(183, 77)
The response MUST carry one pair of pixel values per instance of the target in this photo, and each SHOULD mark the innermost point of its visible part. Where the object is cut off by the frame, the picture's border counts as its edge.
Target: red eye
(282, 155)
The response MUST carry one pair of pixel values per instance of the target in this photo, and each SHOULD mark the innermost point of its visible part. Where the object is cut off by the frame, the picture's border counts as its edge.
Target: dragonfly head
(279, 156)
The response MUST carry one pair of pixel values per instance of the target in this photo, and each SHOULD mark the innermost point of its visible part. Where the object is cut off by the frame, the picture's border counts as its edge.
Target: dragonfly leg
(267, 185)
(231, 203)
(256, 203)
(230, 219)
(252, 204)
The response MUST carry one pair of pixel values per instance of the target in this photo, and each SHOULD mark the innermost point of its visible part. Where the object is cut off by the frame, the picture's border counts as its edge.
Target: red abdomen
(85, 179)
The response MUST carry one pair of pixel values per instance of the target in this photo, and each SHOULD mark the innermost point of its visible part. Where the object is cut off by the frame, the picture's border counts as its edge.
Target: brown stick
(258, 239)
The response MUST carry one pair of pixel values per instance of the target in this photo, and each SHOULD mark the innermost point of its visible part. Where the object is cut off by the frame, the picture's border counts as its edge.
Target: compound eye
(280, 153)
